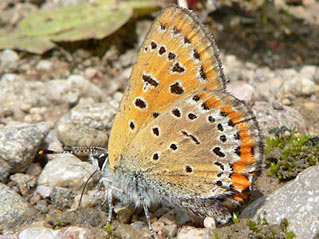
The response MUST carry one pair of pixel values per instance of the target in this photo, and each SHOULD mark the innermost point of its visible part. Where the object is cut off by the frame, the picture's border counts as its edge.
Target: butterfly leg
(110, 204)
(148, 218)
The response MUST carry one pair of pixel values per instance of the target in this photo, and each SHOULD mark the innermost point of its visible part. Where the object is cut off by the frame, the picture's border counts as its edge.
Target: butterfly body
(179, 135)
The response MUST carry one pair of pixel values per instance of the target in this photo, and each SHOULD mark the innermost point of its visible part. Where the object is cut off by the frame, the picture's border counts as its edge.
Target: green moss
(262, 230)
(289, 153)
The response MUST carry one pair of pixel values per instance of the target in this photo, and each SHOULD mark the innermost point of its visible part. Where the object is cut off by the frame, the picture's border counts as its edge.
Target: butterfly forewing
(177, 57)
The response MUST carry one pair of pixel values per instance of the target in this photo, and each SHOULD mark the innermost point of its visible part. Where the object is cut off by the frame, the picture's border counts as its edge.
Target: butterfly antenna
(73, 150)
(85, 185)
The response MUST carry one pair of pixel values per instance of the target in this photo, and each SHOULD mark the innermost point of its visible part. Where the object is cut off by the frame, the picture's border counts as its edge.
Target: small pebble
(25, 107)
(310, 105)
(8, 56)
(210, 222)
(44, 65)
(286, 101)
(90, 72)
(123, 213)
(34, 169)
(188, 232)
(277, 105)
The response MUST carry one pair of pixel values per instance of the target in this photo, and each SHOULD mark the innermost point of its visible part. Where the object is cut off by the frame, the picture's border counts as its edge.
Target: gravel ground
(69, 96)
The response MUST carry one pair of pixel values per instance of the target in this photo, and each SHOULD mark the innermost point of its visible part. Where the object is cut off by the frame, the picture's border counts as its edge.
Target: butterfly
(178, 135)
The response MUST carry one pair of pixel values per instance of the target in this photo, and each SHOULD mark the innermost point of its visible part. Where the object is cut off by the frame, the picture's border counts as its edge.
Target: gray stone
(39, 232)
(165, 230)
(74, 232)
(268, 90)
(264, 74)
(98, 116)
(18, 146)
(23, 182)
(126, 231)
(65, 171)
(175, 215)
(297, 201)
(14, 210)
(8, 57)
(308, 71)
(44, 191)
(16, 92)
(10, 236)
(71, 90)
(62, 198)
(123, 213)
(299, 85)
(270, 118)
(128, 58)
(81, 135)
(247, 75)
(34, 232)
(241, 90)
(137, 225)
(87, 124)
(90, 73)
(316, 75)
(286, 74)
(44, 65)
(188, 232)
(277, 105)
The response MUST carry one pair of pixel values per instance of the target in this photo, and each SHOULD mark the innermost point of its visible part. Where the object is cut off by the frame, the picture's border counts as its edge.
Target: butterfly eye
(102, 158)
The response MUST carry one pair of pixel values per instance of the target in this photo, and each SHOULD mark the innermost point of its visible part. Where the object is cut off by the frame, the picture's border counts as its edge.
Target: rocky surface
(71, 98)
(297, 201)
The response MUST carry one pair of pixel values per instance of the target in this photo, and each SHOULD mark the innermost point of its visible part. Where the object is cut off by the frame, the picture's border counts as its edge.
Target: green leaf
(40, 29)
(36, 45)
